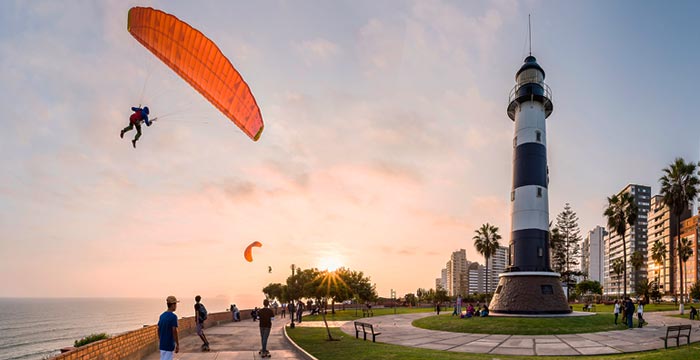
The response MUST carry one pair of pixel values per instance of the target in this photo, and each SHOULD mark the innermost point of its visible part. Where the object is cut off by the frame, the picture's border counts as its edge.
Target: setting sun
(329, 263)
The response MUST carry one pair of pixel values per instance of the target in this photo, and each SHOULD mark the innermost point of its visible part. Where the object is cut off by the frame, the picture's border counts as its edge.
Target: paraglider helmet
(145, 109)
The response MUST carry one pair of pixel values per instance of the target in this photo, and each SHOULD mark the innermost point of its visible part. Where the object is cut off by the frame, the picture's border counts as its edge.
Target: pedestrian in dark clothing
(693, 312)
(200, 314)
(437, 308)
(300, 311)
(629, 312)
(266, 316)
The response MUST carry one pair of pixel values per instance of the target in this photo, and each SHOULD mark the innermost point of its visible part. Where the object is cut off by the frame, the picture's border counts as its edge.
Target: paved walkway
(397, 329)
(235, 341)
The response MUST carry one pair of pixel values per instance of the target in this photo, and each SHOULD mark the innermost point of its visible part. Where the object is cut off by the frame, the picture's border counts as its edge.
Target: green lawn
(521, 326)
(314, 341)
(345, 315)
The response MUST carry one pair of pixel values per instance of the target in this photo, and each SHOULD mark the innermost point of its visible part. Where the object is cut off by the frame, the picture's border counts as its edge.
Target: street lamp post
(292, 301)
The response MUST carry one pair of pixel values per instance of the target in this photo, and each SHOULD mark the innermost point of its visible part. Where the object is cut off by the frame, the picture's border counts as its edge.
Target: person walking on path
(266, 316)
(640, 313)
(616, 310)
(629, 311)
(284, 311)
(437, 308)
(169, 343)
(200, 314)
(300, 311)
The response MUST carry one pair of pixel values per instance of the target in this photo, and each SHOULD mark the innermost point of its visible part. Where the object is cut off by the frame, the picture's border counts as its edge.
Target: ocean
(37, 328)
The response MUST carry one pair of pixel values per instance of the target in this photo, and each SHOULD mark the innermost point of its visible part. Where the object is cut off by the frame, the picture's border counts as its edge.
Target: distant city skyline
(386, 140)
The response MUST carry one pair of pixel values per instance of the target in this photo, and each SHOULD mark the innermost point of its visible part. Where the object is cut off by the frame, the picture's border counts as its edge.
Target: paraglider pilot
(135, 119)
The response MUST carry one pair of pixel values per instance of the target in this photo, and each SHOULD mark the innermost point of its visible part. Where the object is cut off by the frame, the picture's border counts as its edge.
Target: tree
(587, 287)
(618, 267)
(637, 260)
(486, 243)
(274, 291)
(568, 250)
(411, 299)
(695, 291)
(679, 186)
(685, 251)
(621, 212)
(440, 295)
(329, 285)
(644, 289)
(658, 254)
(556, 244)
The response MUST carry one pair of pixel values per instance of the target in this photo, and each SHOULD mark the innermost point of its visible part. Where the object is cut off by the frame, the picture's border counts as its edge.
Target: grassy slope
(345, 315)
(314, 341)
(521, 326)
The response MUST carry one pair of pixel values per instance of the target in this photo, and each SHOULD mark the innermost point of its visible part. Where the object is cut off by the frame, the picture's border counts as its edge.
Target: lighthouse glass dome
(530, 76)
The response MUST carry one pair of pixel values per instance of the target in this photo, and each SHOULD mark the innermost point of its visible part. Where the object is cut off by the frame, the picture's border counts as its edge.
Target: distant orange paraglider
(248, 253)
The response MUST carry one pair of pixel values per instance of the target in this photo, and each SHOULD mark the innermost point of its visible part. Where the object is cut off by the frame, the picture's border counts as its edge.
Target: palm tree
(618, 266)
(621, 212)
(685, 251)
(637, 260)
(486, 243)
(679, 186)
(658, 254)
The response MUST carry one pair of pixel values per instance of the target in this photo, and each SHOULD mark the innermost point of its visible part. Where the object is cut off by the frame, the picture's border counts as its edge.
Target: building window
(547, 290)
(540, 253)
(498, 289)
(512, 195)
(538, 136)
(539, 192)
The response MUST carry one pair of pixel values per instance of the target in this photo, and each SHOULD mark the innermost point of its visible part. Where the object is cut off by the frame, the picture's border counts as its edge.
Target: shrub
(90, 339)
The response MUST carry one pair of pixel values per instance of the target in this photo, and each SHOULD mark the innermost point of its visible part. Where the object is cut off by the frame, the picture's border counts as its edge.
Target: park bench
(364, 327)
(367, 312)
(676, 332)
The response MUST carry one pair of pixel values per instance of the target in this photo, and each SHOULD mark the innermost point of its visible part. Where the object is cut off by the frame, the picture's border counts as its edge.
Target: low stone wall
(134, 345)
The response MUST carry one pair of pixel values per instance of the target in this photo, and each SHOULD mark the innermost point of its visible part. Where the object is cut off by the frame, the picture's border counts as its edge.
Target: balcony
(530, 91)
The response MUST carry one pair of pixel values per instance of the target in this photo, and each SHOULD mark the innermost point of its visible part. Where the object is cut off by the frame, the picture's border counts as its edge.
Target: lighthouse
(529, 286)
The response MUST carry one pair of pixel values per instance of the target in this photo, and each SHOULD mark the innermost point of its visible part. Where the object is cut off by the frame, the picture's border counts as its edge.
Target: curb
(298, 348)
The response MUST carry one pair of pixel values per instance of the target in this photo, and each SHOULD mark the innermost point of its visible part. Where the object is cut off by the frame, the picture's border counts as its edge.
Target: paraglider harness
(140, 115)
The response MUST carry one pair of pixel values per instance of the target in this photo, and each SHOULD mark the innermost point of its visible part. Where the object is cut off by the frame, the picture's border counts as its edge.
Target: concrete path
(235, 341)
(397, 330)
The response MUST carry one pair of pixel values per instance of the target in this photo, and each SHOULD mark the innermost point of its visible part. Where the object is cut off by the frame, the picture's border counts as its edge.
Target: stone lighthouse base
(526, 292)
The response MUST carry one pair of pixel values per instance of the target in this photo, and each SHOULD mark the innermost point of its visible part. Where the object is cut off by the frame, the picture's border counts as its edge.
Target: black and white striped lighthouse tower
(529, 286)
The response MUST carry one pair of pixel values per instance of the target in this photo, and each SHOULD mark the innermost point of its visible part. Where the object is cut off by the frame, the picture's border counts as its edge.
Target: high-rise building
(690, 229)
(443, 279)
(663, 227)
(457, 276)
(635, 239)
(477, 278)
(592, 254)
(497, 265)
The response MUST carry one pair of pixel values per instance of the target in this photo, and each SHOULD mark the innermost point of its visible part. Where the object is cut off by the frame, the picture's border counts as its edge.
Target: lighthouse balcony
(530, 91)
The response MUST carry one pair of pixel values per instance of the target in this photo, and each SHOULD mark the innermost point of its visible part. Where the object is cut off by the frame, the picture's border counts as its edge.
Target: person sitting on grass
(485, 311)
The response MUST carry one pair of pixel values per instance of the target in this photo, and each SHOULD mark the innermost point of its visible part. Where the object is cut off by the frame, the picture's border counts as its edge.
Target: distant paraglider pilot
(135, 120)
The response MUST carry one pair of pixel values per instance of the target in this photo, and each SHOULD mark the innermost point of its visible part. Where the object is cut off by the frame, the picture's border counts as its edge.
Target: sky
(386, 141)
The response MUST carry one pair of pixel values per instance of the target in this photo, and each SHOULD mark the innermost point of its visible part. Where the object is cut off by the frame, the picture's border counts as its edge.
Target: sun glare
(329, 263)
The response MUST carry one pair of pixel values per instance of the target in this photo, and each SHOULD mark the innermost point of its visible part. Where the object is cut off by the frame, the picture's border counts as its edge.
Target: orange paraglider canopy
(199, 62)
(248, 253)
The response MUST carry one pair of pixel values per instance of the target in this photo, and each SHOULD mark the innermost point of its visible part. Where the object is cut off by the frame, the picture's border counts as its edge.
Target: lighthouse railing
(514, 92)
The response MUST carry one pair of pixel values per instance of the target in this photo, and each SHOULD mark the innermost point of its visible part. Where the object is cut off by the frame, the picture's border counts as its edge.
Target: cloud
(316, 50)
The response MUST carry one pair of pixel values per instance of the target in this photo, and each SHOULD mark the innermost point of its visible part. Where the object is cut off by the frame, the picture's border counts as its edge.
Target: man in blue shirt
(167, 330)
(139, 115)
